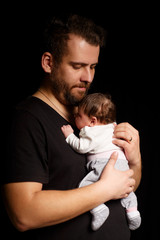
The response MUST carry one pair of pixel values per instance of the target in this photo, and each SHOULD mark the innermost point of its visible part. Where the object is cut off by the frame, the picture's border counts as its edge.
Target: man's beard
(62, 91)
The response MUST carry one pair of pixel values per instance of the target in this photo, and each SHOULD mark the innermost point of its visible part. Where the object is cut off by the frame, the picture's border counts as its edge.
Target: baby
(96, 121)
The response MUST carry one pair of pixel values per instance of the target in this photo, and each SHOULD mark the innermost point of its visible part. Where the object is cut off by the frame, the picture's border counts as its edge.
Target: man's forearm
(137, 168)
(31, 207)
(40, 208)
(61, 206)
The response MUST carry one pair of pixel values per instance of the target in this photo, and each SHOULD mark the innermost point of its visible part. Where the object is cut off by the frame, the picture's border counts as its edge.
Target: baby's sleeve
(83, 144)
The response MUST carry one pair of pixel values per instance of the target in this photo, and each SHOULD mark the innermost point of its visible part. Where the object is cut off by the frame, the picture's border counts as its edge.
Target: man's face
(74, 75)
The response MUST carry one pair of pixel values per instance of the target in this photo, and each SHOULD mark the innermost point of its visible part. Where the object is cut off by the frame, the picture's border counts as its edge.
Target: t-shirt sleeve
(27, 154)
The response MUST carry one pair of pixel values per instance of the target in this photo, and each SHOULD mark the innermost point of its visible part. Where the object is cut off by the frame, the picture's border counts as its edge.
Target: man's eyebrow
(82, 63)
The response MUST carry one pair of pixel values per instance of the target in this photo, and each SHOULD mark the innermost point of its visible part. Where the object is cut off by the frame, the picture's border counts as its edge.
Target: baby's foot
(99, 217)
(134, 220)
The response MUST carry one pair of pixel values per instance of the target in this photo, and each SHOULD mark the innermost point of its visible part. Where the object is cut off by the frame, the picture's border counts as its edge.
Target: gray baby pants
(96, 167)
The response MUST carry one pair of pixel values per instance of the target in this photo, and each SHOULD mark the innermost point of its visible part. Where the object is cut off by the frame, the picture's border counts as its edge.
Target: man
(43, 172)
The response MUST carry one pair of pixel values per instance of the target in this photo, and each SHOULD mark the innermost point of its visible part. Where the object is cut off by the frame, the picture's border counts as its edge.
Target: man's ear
(93, 121)
(47, 62)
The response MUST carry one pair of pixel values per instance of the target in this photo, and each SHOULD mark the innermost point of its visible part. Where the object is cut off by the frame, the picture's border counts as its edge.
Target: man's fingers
(113, 158)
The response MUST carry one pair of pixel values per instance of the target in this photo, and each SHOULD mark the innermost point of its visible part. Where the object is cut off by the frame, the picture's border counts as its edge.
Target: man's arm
(31, 207)
(125, 131)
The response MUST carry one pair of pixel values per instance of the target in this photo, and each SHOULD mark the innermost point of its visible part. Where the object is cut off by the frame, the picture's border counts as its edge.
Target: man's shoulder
(30, 104)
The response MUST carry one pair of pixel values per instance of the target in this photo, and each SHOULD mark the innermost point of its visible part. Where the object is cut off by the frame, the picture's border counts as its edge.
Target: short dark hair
(100, 106)
(56, 34)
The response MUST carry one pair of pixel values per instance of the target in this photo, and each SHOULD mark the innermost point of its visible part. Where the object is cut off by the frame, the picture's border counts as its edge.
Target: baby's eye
(75, 115)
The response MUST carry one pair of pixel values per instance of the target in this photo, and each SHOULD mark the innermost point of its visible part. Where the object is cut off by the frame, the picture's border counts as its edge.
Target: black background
(127, 69)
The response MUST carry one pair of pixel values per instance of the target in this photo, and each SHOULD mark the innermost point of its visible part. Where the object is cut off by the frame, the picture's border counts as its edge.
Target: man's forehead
(81, 51)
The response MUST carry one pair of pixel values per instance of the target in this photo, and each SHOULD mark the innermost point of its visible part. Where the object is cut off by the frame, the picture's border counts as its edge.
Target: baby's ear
(93, 121)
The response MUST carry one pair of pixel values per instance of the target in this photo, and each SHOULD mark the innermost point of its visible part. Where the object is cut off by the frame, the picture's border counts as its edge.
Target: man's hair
(57, 32)
(100, 106)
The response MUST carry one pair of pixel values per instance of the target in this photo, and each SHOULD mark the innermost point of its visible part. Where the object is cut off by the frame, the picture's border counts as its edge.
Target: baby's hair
(100, 106)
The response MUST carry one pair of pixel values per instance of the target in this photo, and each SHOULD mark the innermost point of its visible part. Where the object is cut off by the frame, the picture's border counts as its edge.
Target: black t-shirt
(38, 152)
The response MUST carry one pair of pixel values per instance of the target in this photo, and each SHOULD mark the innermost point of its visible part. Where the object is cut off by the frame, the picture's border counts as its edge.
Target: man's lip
(82, 88)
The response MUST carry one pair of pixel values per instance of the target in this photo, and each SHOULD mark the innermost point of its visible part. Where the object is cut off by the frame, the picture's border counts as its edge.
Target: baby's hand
(67, 130)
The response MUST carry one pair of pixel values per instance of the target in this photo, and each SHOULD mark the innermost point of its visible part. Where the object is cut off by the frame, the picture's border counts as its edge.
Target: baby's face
(81, 119)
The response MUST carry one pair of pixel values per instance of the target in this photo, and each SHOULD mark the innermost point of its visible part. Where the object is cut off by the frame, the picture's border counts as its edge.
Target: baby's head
(95, 109)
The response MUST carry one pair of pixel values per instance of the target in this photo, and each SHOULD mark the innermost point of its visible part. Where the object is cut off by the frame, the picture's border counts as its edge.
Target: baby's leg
(133, 215)
(100, 213)
(99, 216)
(129, 203)
(89, 179)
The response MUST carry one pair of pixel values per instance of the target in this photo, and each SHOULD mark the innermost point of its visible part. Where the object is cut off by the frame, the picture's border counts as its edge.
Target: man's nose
(87, 75)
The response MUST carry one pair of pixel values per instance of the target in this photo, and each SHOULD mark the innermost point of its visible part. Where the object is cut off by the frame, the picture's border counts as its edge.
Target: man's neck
(66, 111)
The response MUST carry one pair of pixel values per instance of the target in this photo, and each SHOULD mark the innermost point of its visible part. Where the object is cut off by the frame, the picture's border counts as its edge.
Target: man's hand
(67, 130)
(117, 183)
(127, 137)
